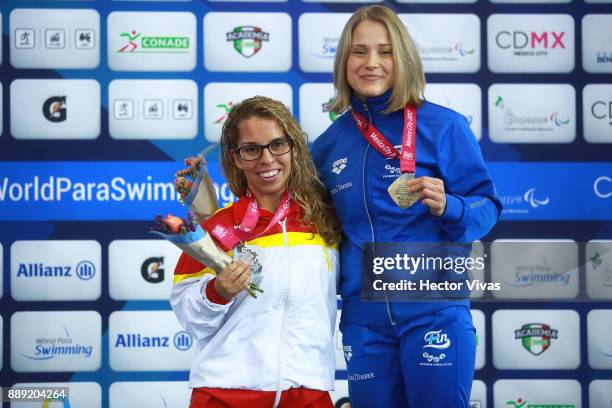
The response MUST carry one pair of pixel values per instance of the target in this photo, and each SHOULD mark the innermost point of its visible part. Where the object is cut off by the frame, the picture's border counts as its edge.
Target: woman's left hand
(432, 193)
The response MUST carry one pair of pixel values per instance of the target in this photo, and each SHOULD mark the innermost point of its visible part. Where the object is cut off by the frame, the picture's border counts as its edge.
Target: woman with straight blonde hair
(401, 170)
(275, 350)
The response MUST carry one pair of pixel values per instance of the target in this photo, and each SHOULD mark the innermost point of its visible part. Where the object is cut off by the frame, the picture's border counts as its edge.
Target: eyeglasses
(276, 147)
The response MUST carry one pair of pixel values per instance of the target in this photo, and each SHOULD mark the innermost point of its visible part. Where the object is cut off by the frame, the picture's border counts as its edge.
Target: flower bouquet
(195, 187)
(190, 237)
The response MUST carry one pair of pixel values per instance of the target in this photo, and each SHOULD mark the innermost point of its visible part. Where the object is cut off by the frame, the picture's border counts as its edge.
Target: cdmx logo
(137, 43)
(226, 108)
(247, 40)
(536, 337)
(461, 50)
(54, 109)
(520, 40)
(521, 403)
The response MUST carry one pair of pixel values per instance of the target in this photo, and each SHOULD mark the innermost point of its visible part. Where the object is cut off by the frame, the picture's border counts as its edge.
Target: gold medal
(398, 191)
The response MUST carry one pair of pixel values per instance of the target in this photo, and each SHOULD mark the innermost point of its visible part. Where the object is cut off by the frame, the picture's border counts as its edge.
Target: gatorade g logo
(152, 270)
(54, 109)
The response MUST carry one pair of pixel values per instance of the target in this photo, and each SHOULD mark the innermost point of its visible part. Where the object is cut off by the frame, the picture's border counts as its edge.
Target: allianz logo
(182, 341)
(84, 270)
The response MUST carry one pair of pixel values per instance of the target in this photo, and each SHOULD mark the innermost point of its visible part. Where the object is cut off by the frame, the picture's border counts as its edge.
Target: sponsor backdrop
(101, 99)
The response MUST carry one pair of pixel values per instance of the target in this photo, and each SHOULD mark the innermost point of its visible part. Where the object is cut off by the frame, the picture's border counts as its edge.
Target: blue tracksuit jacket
(358, 177)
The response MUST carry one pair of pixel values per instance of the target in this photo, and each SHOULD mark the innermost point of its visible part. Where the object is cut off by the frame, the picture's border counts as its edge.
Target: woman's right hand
(233, 279)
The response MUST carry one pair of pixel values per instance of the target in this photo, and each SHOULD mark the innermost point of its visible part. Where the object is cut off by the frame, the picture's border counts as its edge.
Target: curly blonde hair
(304, 184)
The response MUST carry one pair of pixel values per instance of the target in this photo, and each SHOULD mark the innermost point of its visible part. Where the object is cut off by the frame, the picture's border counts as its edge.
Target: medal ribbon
(229, 237)
(381, 144)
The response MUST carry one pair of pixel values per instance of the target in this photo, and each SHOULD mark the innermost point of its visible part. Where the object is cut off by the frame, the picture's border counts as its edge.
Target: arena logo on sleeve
(35, 191)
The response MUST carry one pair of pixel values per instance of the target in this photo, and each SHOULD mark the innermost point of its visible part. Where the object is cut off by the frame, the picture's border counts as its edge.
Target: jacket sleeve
(196, 313)
(472, 204)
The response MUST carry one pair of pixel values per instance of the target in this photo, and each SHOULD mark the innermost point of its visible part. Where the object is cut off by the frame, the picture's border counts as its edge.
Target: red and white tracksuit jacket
(284, 338)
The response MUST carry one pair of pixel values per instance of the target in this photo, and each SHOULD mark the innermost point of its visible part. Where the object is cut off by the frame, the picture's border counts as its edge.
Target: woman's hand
(233, 280)
(432, 193)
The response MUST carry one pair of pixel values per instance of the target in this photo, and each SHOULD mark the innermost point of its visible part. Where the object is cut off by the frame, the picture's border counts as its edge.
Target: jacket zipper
(365, 202)
(279, 385)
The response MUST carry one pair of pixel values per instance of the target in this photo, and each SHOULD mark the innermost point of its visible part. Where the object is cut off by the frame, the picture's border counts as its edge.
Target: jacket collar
(375, 104)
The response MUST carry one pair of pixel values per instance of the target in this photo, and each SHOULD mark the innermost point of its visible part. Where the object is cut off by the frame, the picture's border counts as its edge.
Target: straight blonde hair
(407, 66)
(303, 184)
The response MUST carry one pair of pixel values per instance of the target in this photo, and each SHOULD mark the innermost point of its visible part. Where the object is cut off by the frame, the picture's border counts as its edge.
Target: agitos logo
(54, 109)
(529, 44)
(247, 40)
(137, 43)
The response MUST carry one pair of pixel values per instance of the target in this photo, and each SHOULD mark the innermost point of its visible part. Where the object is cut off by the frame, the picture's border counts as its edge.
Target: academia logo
(247, 40)
(135, 42)
(54, 109)
(326, 108)
(536, 338)
(530, 43)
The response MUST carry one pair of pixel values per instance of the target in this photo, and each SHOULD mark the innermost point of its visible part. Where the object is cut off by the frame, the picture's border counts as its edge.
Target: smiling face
(369, 67)
(266, 177)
